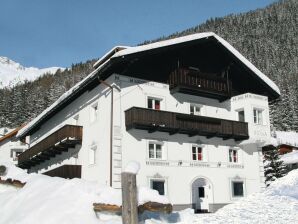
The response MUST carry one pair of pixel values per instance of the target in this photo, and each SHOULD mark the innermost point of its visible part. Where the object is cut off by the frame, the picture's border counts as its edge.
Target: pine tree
(274, 168)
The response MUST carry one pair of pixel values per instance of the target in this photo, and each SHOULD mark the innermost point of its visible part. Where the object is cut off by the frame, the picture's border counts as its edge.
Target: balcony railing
(164, 121)
(60, 141)
(201, 84)
(65, 171)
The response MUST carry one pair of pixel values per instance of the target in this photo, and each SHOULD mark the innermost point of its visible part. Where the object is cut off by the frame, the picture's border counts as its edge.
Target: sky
(45, 33)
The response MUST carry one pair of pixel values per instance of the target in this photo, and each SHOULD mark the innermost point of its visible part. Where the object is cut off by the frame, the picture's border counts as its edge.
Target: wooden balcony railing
(164, 121)
(56, 143)
(65, 171)
(200, 84)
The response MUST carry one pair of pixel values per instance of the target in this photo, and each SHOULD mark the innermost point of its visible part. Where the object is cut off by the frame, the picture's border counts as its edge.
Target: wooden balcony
(60, 141)
(65, 171)
(177, 123)
(200, 84)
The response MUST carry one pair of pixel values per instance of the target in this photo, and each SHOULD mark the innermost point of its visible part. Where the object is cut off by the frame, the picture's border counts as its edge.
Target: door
(201, 194)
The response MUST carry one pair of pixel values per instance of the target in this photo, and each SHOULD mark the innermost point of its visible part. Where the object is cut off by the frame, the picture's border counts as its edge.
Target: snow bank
(56, 200)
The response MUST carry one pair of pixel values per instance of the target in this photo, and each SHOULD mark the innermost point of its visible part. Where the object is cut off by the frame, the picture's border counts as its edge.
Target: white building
(192, 110)
(10, 146)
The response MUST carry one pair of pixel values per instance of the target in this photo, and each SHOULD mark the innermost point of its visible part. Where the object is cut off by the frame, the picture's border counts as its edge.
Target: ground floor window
(158, 185)
(237, 189)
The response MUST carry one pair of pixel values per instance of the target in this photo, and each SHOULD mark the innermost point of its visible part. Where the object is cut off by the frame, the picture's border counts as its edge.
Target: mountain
(267, 37)
(12, 72)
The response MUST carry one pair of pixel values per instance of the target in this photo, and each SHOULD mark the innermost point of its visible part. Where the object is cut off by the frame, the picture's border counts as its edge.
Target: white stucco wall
(176, 167)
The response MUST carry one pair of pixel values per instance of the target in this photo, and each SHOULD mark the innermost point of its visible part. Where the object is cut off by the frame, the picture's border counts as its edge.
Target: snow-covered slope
(12, 72)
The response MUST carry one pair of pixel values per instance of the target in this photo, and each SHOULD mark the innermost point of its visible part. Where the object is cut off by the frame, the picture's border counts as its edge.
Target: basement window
(237, 189)
(158, 185)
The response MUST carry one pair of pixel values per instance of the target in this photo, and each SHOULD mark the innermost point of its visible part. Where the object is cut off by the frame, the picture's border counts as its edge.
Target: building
(10, 146)
(192, 111)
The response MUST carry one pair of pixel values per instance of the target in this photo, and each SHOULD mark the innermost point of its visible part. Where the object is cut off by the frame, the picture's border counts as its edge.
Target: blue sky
(44, 33)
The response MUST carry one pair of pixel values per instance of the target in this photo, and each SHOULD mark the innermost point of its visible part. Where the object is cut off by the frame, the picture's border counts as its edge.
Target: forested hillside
(268, 37)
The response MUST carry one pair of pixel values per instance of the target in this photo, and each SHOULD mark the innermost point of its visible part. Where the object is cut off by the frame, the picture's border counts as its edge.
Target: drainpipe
(111, 126)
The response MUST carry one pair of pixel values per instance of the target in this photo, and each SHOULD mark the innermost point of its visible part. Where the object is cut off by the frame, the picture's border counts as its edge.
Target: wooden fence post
(129, 198)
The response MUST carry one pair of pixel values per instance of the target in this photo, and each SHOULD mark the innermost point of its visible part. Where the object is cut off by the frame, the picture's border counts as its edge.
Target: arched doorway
(202, 194)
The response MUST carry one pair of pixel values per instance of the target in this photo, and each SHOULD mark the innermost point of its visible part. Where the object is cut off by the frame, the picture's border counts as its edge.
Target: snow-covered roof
(290, 158)
(287, 138)
(122, 51)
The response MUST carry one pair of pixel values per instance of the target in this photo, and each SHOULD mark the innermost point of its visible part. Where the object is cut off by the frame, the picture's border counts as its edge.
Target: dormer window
(154, 103)
(195, 109)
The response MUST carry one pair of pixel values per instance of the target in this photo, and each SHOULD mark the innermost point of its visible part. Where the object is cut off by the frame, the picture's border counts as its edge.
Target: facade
(10, 146)
(180, 111)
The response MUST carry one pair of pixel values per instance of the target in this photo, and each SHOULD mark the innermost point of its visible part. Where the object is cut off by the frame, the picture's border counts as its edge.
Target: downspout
(111, 127)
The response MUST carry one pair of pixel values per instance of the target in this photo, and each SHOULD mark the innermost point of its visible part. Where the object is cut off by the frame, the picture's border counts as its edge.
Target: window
(241, 116)
(158, 185)
(258, 116)
(93, 112)
(92, 155)
(195, 109)
(155, 151)
(197, 153)
(153, 103)
(237, 189)
(233, 156)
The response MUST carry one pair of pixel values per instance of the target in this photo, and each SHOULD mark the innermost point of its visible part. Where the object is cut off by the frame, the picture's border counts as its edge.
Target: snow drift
(55, 200)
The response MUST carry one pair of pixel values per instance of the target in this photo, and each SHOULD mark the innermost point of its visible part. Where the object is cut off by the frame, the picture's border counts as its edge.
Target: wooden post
(129, 198)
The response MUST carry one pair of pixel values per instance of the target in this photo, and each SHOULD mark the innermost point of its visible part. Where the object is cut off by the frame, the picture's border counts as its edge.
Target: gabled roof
(119, 53)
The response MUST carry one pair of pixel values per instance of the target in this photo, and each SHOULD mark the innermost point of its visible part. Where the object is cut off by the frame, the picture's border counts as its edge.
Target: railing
(197, 83)
(71, 134)
(65, 171)
(171, 122)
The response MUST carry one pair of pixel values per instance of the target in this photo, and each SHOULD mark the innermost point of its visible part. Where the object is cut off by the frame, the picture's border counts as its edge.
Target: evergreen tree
(274, 168)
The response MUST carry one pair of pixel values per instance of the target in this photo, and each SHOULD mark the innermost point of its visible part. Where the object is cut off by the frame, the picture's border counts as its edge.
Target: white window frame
(257, 119)
(92, 155)
(232, 181)
(231, 156)
(155, 152)
(151, 179)
(203, 154)
(93, 112)
(195, 106)
(153, 102)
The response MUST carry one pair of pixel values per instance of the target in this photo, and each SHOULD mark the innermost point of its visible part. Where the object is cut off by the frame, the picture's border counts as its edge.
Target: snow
(287, 138)
(290, 158)
(47, 200)
(56, 200)
(12, 72)
(198, 36)
(132, 167)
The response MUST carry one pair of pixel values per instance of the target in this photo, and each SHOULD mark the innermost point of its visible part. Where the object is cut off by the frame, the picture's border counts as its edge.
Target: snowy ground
(55, 200)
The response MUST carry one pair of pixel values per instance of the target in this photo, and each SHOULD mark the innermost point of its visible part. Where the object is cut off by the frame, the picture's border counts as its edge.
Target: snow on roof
(290, 158)
(108, 55)
(198, 36)
(287, 138)
(122, 51)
